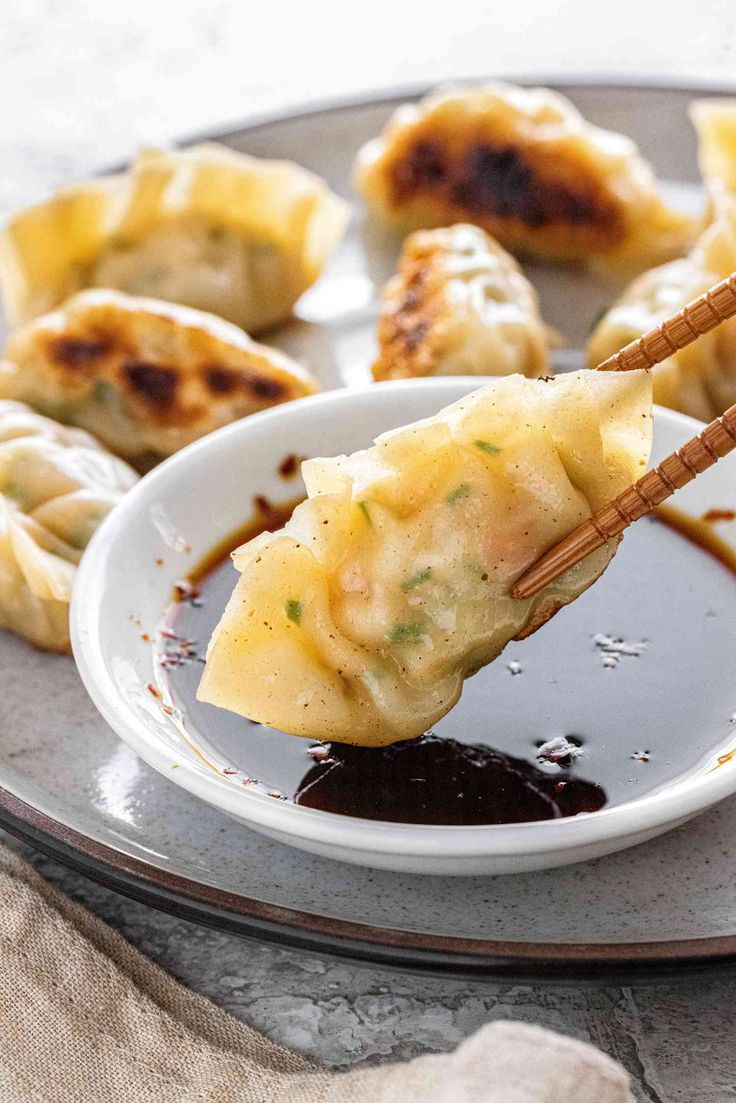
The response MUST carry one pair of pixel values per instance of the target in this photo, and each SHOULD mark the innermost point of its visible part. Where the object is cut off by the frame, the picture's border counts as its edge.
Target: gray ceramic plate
(71, 788)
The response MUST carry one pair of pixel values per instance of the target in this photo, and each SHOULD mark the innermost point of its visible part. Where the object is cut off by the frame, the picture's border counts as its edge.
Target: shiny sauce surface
(482, 772)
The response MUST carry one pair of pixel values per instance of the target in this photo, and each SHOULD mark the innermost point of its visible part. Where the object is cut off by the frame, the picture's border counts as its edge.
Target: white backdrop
(83, 82)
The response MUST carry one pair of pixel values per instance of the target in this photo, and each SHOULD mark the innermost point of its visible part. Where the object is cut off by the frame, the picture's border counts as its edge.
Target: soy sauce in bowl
(440, 781)
(505, 754)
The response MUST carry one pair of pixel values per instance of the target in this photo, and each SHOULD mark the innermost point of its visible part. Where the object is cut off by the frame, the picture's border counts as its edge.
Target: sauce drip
(699, 530)
(439, 781)
(713, 516)
(267, 517)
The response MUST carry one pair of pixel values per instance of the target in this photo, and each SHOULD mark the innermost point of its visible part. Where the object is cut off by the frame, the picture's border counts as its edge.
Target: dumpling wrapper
(239, 236)
(56, 486)
(523, 164)
(699, 380)
(361, 618)
(459, 305)
(146, 377)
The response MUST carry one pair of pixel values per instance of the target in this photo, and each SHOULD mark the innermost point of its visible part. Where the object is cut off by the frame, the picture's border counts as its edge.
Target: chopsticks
(679, 468)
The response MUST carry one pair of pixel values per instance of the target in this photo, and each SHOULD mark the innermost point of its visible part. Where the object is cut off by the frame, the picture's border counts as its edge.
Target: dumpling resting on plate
(699, 380)
(206, 226)
(526, 166)
(359, 620)
(146, 377)
(56, 486)
(459, 305)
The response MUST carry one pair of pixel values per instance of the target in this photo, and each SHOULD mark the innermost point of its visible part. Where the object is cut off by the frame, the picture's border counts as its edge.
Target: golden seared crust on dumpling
(526, 166)
(147, 377)
(459, 305)
(214, 229)
(56, 485)
(699, 380)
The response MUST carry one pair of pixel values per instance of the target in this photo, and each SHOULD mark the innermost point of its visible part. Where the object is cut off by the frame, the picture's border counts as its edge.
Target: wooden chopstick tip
(699, 316)
(518, 591)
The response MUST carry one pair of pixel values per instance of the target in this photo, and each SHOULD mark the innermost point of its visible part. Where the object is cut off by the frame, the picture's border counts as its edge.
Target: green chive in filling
(406, 633)
(457, 494)
(487, 447)
(417, 579)
(294, 610)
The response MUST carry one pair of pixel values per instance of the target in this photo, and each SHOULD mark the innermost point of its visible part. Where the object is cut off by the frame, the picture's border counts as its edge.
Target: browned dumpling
(526, 166)
(146, 377)
(459, 305)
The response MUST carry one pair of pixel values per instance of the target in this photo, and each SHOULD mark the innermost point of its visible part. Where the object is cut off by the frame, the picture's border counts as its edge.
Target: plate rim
(187, 898)
(194, 900)
(399, 93)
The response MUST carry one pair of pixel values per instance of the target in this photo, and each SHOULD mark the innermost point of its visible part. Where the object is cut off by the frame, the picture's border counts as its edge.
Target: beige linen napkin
(85, 1018)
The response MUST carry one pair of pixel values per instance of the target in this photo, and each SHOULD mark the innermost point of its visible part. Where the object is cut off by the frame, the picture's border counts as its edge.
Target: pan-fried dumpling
(699, 380)
(146, 377)
(459, 305)
(524, 165)
(359, 620)
(206, 226)
(56, 486)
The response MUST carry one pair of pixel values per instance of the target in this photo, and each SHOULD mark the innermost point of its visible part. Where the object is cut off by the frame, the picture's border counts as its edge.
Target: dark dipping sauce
(440, 781)
(436, 779)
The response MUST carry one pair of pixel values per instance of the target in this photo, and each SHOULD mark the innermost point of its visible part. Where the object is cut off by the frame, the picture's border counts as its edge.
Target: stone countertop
(83, 84)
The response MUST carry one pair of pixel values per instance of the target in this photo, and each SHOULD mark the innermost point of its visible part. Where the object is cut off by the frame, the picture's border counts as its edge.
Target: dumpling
(359, 620)
(699, 380)
(206, 226)
(459, 305)
(56, 486)
(715, 124)
(524, 165)
(146, 377)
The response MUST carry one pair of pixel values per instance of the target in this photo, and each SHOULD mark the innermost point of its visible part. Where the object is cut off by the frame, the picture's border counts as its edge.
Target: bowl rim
(684, 798)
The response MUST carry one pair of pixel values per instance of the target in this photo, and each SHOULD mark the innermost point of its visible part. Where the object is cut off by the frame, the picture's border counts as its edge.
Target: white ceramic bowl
(187, 505)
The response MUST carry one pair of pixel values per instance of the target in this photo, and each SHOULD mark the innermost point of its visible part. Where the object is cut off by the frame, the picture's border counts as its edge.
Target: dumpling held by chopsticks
(360, 619)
